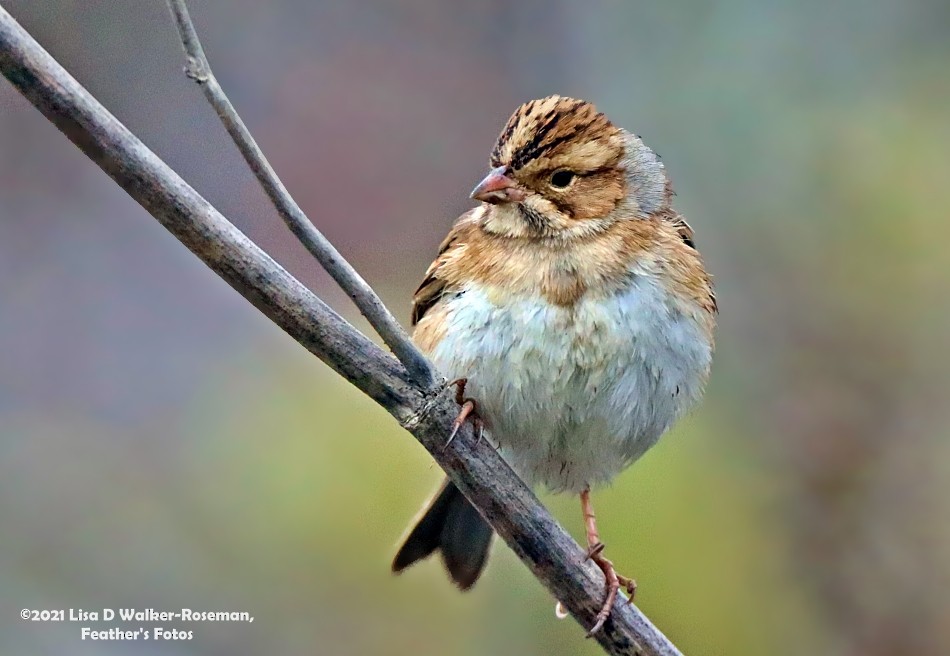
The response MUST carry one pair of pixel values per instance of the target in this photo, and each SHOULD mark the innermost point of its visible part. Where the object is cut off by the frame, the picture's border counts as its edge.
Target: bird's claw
(468, 410)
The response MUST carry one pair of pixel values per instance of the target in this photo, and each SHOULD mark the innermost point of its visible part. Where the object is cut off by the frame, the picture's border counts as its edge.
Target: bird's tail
(451, 525)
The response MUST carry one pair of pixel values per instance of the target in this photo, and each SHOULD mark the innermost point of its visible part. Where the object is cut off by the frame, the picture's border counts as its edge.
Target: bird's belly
(575, 394)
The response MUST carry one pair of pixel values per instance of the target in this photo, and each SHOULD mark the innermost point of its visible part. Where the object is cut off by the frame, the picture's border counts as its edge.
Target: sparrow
(574, 312)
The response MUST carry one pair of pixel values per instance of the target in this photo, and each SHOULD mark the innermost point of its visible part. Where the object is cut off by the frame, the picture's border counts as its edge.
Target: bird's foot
(614, 582)
(468, 411)
(595, 552)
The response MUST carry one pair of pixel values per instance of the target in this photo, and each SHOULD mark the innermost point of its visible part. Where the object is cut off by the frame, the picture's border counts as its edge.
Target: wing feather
(434, 286)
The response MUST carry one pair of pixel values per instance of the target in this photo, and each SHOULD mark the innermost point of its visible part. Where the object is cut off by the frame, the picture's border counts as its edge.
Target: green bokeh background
(162, 445)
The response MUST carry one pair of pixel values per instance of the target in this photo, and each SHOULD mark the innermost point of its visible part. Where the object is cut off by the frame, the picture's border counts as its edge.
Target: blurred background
(163, 445)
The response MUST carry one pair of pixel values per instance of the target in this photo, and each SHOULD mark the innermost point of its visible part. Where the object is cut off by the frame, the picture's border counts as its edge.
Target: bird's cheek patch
(595, 196)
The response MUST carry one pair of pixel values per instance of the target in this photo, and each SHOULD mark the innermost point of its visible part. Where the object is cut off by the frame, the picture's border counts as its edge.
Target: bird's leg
(595, 549)
(468, 410)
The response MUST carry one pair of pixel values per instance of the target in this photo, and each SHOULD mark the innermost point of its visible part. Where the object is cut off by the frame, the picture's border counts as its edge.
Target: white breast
(574, 395)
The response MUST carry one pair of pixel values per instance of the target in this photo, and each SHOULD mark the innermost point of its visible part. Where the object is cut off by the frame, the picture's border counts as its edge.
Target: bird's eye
(562, 178)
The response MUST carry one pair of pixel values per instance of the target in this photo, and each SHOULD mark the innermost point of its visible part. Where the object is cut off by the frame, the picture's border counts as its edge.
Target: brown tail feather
(451, 525)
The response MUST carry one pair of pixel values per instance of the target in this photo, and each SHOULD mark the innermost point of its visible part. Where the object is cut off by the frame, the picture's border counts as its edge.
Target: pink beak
(497, 188)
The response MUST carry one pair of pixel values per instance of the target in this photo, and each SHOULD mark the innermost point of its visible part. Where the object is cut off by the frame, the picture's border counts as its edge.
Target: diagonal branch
(199, 70)
(480, 473)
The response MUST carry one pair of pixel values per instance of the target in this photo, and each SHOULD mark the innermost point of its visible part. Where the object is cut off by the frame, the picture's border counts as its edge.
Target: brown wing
(683, 229)
(434, 286)
(685, 232)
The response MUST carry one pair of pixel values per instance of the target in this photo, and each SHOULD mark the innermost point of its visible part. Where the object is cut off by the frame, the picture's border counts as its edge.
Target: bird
(573, 312)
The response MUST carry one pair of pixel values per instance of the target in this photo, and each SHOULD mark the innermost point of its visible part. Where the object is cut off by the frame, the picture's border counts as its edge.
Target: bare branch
(480, 473)
(199, 70)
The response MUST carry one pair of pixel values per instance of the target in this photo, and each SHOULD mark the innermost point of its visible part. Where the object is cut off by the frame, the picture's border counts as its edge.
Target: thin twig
(199, 69)
(480, 473)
